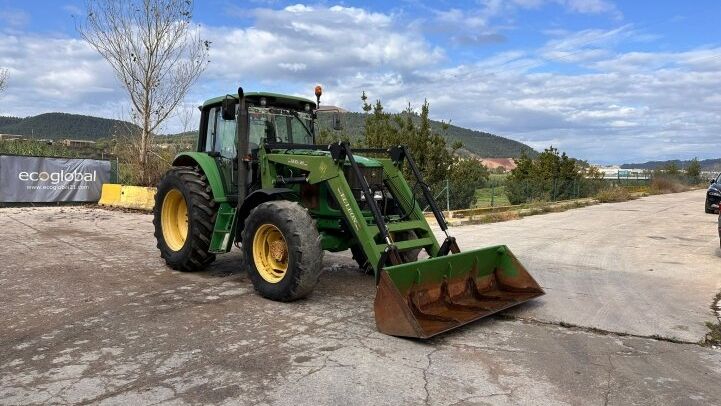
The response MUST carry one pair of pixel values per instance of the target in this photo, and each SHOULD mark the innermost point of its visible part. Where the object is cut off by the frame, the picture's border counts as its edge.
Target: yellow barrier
(129, 197)
(110, 195)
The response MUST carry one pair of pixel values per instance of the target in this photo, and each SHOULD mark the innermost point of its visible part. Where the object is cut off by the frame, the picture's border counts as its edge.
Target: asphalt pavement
(92, 316)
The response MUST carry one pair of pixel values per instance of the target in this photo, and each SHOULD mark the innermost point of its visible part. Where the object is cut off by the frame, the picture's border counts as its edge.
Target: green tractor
(258, 180)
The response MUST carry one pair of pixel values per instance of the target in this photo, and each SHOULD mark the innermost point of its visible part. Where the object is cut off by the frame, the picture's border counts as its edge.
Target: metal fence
(502, 193)
(115, 171)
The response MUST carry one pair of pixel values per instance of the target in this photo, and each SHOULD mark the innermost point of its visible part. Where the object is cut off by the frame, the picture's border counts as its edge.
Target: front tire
(183, 216)
(282, 250)
(709, 209)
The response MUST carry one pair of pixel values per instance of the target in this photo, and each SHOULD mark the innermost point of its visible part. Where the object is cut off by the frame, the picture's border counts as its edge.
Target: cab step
(223, 231)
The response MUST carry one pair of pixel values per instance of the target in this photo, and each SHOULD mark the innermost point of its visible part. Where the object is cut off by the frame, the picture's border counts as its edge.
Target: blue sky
(605, 81)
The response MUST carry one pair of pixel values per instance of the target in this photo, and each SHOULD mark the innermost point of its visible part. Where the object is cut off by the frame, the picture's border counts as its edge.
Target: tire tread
(202, 213)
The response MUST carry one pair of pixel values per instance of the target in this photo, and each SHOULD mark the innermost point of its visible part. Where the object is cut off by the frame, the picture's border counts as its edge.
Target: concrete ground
(91, 315)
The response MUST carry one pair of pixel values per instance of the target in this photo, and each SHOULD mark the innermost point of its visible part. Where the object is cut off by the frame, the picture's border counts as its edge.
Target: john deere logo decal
(349, 211)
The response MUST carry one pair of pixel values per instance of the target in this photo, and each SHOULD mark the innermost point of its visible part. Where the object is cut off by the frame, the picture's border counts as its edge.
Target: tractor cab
(271, 118)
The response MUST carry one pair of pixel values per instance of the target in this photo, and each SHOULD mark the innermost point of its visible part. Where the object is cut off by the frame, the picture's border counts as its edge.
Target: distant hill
(5, 121)
(64, 125)
(475, 143)
(74, 126)
(707, 165)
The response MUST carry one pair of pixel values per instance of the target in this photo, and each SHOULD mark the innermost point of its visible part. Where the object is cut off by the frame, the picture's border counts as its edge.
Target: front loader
(258, 180)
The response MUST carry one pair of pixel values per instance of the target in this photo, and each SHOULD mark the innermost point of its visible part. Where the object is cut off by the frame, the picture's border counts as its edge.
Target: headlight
(714, 193)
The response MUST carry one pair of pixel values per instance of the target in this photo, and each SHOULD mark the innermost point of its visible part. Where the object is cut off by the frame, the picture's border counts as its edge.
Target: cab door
(220, 143)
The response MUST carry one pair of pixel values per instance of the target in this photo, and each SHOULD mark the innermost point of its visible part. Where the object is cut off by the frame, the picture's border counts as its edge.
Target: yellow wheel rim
(174, 220)
(270, 253)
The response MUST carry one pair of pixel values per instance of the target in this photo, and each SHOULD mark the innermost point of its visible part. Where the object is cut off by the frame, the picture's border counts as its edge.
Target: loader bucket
(427, 297)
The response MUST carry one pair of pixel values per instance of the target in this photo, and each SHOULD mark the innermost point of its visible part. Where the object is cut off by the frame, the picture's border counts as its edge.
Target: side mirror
(228, 109)
(712, 181)
(337, 124)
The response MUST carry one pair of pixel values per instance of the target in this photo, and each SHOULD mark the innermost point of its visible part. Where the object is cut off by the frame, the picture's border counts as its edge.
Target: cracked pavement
(92, 316)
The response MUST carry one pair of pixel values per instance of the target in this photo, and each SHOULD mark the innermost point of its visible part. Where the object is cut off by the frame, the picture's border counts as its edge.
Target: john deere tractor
(257, 180)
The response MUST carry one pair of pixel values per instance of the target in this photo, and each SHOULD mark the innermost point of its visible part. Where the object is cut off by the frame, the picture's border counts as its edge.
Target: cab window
(225, 136)
(210, 130)
(278, 125)
(260, 127)
(220, 134)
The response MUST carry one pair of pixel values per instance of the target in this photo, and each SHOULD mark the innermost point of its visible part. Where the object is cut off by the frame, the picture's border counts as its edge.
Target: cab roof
(273, 99)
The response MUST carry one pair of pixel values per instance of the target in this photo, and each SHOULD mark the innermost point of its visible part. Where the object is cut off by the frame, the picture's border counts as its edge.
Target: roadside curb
(127, 197)
(505, 213)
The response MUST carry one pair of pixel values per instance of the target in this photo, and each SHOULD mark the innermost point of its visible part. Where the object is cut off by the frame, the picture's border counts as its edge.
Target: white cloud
(633, 106)
(585, 45)
(590, 6)
(55, 74)
(576, 6)
(300, 43)
(486, 22)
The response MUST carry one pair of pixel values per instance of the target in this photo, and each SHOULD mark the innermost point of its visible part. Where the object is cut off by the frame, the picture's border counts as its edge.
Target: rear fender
(209, 168)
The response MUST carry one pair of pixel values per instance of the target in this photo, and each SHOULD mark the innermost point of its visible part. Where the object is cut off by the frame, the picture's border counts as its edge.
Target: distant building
(10, 137)
(328, 108)
(77, 143)
(615, 172)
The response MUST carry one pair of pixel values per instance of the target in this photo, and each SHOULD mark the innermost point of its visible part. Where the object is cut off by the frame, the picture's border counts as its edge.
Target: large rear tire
(282, 250)
(183, 216)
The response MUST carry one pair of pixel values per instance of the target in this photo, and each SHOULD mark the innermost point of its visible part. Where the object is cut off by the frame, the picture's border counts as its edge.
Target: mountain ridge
(64, 125)
(84, 127)
(709, 165)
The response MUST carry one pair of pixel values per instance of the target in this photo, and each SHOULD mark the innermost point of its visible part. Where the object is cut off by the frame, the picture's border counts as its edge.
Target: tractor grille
(374, 176)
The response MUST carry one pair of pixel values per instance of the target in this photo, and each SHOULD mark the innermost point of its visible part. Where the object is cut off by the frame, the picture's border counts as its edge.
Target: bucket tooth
(420, 314)
(450, 301)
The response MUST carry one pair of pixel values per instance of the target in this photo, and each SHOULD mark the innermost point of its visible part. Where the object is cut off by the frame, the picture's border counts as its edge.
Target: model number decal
(297, 162)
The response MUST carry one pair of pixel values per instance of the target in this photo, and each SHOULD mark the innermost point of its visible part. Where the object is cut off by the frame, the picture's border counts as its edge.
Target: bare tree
(155, 53)
(186, 115)
(3, 79)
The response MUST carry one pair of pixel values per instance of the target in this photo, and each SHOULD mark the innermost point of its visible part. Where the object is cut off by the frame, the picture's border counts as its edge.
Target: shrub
(667, 184)
(465, 178)
(693, 170)
(614, 194)
(131, 170)
(551, 176)
(499, 217)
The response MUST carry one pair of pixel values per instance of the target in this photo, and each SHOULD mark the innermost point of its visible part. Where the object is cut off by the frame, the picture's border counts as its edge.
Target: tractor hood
(361, 160)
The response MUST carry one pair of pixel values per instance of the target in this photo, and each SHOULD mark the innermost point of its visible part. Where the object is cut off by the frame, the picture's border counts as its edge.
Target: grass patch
(662, 185)
(499, 217)
(713, 337)
(497, 178)
(614, 194)
(497, 195)
(531, 209)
